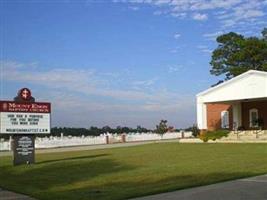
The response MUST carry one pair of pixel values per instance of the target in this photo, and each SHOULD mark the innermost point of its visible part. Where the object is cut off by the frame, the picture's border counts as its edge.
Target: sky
(118, 62)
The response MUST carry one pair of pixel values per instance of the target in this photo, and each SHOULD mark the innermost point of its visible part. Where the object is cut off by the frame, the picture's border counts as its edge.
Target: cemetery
(67, 141)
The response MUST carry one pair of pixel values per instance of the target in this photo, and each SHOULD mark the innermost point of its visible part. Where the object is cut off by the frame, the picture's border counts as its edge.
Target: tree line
(161, 129)
(95, 131)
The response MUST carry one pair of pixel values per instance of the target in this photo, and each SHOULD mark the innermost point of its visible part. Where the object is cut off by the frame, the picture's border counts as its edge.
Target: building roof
(252, 81)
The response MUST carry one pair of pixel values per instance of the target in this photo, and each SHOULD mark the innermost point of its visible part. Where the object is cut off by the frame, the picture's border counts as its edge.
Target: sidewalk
(7, 195)
(241, 189)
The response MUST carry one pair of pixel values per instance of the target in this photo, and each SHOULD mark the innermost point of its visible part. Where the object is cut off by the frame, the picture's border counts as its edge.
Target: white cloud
(71, 110)
(86, 82)
(200, 17)
(135, 8)
(173, 69)
(82, 97)
(243, 14)
(173, 50)
(214, 4)
(204, 49)
(13, 64)
(158, 12)
(178, 15)
(228, 13)
(83, 81)
(213, 36)
(145, 83)
(177, 35)
(160, 2)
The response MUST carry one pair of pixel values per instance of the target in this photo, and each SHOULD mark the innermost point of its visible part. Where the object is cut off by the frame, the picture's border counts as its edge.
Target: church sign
(23, 119)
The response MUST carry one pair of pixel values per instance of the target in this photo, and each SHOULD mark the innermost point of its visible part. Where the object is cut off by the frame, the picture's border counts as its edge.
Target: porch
(248, 114)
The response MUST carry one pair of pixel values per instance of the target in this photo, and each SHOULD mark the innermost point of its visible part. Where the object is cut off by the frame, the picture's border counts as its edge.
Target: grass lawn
(122, 173)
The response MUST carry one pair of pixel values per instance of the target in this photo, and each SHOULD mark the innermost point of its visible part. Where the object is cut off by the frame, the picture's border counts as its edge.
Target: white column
(201, 115)
(237, 115)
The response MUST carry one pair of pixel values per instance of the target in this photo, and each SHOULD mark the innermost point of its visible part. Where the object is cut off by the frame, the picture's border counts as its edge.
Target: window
(225, 119)
(253, 117)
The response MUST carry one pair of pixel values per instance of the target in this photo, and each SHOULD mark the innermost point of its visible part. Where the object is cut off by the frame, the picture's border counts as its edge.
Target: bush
(213, 135)
(195, 131)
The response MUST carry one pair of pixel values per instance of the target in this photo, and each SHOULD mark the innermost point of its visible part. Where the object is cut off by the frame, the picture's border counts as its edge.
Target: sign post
(24, 118)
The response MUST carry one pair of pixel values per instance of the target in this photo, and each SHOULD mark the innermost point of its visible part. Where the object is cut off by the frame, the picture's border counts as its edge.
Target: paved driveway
(254, 188)
(8, 195)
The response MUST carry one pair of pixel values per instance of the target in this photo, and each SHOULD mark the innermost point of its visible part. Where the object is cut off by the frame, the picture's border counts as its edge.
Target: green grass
(122, 173)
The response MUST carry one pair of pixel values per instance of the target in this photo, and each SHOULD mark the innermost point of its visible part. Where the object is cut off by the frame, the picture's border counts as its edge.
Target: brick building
(238, 103)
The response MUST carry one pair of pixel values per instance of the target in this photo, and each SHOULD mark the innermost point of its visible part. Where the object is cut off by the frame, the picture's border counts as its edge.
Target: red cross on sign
(25, 93)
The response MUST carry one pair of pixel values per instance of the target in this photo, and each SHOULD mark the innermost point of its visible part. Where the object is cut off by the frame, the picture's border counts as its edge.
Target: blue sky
(118, 62)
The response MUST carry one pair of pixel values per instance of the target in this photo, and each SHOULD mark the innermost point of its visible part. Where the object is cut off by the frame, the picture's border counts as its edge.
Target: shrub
(195, 131)
(213, 135)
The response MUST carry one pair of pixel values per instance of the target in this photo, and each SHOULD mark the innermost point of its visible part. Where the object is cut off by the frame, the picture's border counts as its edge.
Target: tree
(264, 33)
(162, 128)
(236, 54)
(194, 129)
(106, 129)
(139, 129)
(94, 131)
(119, 130)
